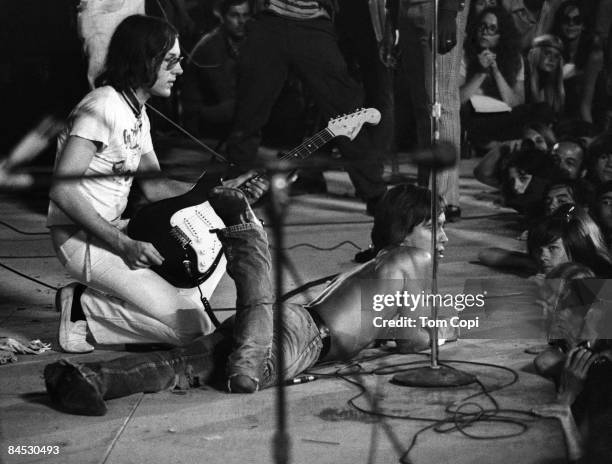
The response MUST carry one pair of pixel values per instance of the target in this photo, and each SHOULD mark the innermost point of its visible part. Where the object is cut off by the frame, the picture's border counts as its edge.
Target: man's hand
(447, 31)
(577, 365)
(251, 183)
(140, 255)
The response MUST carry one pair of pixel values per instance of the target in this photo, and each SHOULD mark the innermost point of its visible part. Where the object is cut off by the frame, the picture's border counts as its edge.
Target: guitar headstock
(349, 125)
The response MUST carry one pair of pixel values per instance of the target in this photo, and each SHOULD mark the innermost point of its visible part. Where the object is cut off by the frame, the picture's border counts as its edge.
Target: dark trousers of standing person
(309, 48)
(355, 21)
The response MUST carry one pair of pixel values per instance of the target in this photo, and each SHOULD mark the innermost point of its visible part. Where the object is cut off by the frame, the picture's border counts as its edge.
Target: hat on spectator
(547, 40)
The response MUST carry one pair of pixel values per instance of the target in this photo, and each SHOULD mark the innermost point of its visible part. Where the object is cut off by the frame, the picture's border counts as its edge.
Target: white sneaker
(71, 334)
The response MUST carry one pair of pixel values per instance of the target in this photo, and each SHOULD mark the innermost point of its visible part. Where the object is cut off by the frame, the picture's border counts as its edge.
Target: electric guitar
(179, 227)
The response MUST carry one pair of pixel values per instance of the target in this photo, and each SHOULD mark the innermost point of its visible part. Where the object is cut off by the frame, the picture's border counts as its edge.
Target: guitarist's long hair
(398, 212)
(136, 51)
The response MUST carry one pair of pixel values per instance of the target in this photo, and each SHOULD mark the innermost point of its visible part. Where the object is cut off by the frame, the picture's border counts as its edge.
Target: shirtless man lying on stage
(242, 352)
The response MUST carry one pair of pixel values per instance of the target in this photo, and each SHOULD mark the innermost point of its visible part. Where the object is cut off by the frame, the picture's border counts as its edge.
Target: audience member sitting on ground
(524, 180)
(568, 25)
(565, 192)
(493, 67)
(330, 328)
(492, 63)
(599, 169)
(535, 136)
(569, 155)
(545, 71)
(568, 235)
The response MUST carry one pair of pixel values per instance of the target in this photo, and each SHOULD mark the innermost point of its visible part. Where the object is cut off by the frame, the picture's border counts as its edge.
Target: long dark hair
(400, 210)
(582, 51)
(581, 237)
(136, 51)
(507, 51)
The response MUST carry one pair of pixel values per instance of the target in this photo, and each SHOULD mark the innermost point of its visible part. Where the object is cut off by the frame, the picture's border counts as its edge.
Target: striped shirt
(297, 9)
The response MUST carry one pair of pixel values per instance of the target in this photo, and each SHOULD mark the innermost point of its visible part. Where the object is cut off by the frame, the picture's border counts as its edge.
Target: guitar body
(179, 227)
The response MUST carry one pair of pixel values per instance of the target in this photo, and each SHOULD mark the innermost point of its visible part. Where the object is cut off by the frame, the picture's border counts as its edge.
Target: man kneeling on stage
(335, 326)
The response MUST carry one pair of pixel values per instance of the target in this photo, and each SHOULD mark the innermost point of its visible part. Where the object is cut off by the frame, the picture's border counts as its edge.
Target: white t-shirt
(103, 116)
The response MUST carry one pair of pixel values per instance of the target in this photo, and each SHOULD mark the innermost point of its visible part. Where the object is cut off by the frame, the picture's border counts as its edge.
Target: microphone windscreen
(441, 155)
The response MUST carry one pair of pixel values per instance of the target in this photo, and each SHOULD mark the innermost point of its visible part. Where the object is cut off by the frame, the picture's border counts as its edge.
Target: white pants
(130, 306)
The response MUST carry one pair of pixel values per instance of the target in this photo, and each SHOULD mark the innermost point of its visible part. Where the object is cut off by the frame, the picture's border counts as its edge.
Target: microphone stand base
(429, 377)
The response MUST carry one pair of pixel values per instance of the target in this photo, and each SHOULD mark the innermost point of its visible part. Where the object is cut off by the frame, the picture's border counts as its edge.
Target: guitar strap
(131, 100)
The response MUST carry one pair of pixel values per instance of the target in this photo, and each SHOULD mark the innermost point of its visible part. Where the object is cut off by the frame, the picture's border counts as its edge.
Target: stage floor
(206, 425)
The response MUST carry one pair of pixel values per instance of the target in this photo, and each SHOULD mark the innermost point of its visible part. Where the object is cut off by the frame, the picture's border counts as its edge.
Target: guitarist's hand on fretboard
(252, 183)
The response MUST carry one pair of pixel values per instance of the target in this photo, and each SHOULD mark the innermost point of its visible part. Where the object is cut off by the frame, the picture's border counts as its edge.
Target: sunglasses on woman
(488, 29)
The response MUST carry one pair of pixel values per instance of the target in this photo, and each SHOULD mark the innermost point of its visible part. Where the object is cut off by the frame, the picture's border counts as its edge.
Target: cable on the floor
(459, 419)
(25, 276)
(22, 232)
(315, 247)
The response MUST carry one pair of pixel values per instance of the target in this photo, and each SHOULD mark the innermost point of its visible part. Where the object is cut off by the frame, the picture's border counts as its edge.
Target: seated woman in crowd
(545, 71)
(569, 27)
(493, 67)
(492, 61)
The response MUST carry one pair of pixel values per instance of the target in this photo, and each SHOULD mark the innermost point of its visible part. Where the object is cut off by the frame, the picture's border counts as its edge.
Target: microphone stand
(434, 375)
(277, 207)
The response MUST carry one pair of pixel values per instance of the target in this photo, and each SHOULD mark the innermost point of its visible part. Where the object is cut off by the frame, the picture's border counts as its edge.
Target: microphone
(439, 156)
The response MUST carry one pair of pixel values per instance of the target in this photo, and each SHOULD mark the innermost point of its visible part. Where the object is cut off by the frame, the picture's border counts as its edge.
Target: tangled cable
(462, 414)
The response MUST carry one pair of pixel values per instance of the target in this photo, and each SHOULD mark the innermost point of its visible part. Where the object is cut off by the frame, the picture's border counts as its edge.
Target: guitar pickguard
(195, 224)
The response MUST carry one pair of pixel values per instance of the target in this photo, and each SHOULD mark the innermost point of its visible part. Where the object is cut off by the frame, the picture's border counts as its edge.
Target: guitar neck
(310, 145)
(305, 149)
